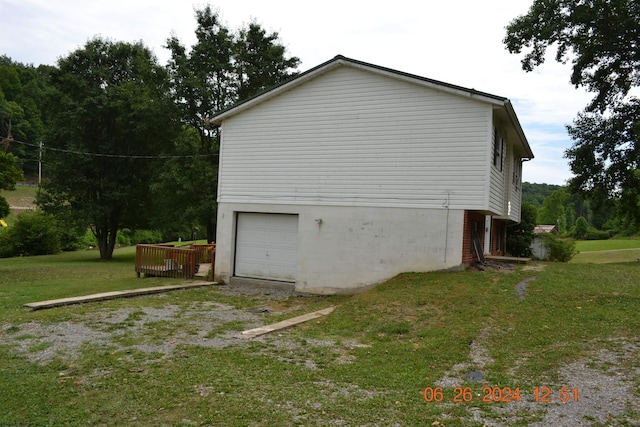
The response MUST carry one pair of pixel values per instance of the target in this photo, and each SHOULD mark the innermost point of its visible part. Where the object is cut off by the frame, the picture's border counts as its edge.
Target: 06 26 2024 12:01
(543, 394)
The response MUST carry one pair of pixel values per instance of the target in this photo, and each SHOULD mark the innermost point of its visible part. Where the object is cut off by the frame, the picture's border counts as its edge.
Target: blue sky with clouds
(455, 42)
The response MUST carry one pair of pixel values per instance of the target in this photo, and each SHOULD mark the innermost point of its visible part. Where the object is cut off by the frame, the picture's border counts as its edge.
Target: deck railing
(205, 253)
(172, 261)
(165, 261)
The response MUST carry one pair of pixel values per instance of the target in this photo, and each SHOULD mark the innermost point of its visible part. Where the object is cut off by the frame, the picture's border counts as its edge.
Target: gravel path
(606, 381)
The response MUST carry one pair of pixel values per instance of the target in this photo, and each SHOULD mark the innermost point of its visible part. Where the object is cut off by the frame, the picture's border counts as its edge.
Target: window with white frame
(498, 149)
(517, 171)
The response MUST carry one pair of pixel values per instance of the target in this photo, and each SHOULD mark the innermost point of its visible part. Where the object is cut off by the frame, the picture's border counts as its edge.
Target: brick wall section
(470, 217)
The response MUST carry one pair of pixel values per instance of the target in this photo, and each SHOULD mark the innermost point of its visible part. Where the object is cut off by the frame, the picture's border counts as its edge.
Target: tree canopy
(23, 90)
(601, 38)
(221, 68)
(10, 173)
(111, 117)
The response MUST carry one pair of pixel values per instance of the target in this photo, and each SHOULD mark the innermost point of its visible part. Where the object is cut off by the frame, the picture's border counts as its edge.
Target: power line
(102, 155)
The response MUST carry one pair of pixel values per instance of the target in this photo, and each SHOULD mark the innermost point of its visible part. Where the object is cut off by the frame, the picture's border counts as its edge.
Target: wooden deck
(113, 295)
(173, 261)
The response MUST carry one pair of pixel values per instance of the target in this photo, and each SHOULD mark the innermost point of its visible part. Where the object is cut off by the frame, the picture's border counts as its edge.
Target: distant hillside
(23, 197)
(536, 193)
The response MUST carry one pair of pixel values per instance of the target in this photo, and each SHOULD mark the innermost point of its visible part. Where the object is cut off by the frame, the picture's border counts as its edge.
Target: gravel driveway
(607, 381)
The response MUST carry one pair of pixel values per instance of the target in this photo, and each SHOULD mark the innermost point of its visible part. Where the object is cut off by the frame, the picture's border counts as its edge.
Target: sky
(457, 42)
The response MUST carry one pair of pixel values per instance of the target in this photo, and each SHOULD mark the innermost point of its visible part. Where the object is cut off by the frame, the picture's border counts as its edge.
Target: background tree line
(127, 141)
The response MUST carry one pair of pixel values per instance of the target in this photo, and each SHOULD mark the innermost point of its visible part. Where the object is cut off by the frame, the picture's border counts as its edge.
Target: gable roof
(501, 103)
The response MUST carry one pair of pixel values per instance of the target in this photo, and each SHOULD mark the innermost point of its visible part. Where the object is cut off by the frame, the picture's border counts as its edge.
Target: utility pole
(40, 165)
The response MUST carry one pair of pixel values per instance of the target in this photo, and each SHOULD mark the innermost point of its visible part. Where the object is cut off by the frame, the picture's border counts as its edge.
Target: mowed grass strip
(366, 363)
(607, 251)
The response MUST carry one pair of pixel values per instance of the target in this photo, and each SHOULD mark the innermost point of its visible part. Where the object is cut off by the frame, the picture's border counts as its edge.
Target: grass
(23, 196)
(606, 245)
(31, 279)
(607, 251)
(367, 363)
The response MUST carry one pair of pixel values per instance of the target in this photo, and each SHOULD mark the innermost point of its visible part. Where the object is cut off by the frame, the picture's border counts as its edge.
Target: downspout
(446, 229)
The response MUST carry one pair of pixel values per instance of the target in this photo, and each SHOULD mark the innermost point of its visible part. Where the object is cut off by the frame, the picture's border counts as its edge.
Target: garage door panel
(266, 246)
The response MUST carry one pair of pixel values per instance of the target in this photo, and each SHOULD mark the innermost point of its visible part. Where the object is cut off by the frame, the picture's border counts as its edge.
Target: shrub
(520, 236)
(89, 240)
(581, 228)
(6, 244)
(72, 236)
(123, 237)
(559, 249)
(595, 234)
(35, 233)
(5, 209)
(146, 236)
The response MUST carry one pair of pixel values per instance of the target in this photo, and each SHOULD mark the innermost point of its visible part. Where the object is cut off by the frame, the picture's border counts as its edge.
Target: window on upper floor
(517, 172)
(498, 149)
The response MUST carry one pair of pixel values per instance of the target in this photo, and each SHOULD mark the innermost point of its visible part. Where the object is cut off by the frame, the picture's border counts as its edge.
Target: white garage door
(266, 246)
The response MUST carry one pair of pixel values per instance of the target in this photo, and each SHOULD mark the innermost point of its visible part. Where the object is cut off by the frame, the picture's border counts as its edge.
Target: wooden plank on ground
(203, 271)
(512, 259)
(252, 333)
(113, 295)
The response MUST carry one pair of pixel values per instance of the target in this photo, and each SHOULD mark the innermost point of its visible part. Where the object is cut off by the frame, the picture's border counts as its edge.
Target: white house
(352, 173)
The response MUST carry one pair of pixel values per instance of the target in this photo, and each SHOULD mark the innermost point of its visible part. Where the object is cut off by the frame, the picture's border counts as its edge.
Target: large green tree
(221, 68)
(601, 38)
(112, 117)
(557, 209)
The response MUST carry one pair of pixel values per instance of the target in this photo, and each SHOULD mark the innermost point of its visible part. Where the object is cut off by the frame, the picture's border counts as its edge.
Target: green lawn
(607, 251)
(23, 197)
(606, 245)
(367, 363)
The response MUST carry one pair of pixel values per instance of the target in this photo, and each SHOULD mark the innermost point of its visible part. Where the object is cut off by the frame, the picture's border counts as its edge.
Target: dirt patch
(534, 267)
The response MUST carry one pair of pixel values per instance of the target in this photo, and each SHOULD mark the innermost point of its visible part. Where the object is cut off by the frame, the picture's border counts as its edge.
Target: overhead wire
(5, 140)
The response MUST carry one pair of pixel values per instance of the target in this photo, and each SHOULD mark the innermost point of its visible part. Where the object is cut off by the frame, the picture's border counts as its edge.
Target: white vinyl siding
(497, 203)
(515, 192)
(353, 138)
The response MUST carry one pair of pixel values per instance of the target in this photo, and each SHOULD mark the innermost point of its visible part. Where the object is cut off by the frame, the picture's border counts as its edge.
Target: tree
(554, 210)
(112, 116)
(260, 61)
(600, 37)
(581, 228)
(520, 236)
(602, 40)
(605, 158)
(221, 68)
(536, 193)
(202, 84)
(9, 175)
(23, 90)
